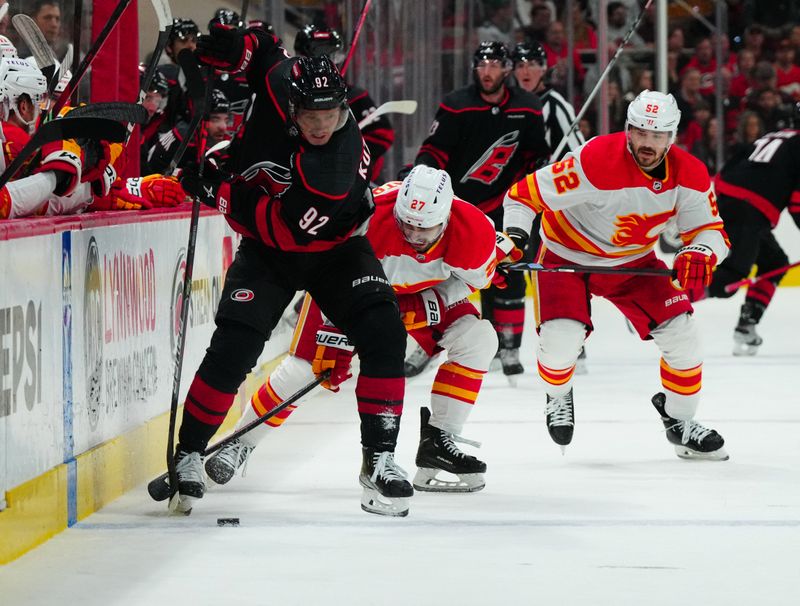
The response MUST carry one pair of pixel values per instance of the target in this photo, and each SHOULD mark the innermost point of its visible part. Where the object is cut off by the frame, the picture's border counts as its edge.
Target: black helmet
(491, 50)
(226, 16)
(183, 29)
(315, 83)
(531, 52)
(313, 41)
(218, 103)
(158, 84)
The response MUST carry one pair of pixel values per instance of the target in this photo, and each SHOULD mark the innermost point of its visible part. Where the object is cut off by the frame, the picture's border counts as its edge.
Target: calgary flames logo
(634, 230)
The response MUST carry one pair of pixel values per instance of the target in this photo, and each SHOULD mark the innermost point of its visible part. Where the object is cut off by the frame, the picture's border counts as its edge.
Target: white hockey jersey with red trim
(463, 260)
(599, 208)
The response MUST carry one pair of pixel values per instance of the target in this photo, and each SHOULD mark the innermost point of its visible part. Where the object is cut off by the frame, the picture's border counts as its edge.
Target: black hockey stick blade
(159, 489)
(100, 129)
(112, 110)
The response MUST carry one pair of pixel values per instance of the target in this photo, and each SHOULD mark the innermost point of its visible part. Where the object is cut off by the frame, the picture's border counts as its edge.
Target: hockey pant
(469, 341)
(752, 243)
(259, 285)
(655, 308)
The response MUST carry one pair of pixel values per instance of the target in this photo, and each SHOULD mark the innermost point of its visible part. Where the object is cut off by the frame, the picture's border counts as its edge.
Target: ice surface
(618, 520)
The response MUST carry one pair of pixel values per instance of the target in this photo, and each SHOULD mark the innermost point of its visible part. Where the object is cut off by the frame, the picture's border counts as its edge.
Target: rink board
(88, 326)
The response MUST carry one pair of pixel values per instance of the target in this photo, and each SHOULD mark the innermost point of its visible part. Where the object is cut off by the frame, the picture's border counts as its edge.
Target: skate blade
(745, 351)
(179, 504)
(373, 502)
(513, 380)
(425, 480)
(715, 455)
(580, 368)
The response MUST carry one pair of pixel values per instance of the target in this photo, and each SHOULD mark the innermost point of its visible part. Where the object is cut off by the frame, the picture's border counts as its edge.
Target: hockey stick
(405, 106)
(600, 80)
(356, 35)
(77, 17)
(3, 11)
(81, 70)
(112, 110)
(588, 269)
(200, 93)
(243, 14)
(65, 128)
(765, 276)
(158, 488)
(33, 37)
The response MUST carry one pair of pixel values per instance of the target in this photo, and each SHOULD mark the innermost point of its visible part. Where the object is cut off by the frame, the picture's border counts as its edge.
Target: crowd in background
(760, 75)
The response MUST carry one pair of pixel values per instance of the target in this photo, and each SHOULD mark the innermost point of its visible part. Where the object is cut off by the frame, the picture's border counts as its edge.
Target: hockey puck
(227, 521)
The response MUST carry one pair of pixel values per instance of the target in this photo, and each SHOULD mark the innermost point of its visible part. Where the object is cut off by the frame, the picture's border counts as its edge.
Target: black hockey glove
(212, 189)
(227, 48)
(404, 171)
(518, 236)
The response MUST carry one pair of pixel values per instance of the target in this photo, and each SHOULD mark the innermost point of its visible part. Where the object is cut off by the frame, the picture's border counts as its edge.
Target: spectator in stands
(748, 129)
(687, 96)
(673, 71)
(787, 72)
(767, 104)
(584, 33)
(555, 45)
(676, 42)
(586, 127)
(499, 24)
(642, 80)
(794, 38)
(541, 18)
(754, 40)
(743, 81)
(696, 126)
(617, 107)
(618, 26)
(705, 148)
(705, 63)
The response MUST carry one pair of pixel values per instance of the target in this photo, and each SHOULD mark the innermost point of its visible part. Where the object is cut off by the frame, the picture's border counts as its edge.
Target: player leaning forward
(604, 205)
(301, 209)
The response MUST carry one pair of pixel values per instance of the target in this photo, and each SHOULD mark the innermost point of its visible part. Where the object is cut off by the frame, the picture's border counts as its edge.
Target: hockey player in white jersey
(604, 206)
(419, 232)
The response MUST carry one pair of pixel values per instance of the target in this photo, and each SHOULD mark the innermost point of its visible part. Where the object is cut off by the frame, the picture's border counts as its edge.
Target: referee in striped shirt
(530, 67)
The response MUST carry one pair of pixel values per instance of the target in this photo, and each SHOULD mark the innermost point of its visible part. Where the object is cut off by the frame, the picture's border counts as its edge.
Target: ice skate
(386, 490)
(509, 358)
(223, 464)
(746, 340)
(191, 481)
(691, 440)
(416, 362)
(580, 365)
(438, 453)
(560, 414)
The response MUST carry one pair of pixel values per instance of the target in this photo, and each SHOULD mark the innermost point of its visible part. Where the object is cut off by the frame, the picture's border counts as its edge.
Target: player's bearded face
(318, 125)
(490, 74)
(648, 146)
(528, 74)
(420, 238)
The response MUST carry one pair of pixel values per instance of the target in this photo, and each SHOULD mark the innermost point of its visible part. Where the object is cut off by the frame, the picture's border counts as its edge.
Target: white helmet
(425, 198)
(7, 48)
(17, 78)
(652, 110)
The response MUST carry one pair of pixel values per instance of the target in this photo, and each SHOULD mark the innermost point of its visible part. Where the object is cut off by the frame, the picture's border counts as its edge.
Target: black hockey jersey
(294, 196)
(766, 175)
(485, 148)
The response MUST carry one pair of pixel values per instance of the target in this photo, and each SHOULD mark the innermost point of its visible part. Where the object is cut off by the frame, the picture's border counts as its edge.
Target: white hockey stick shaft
(404, 106)
(588, 102)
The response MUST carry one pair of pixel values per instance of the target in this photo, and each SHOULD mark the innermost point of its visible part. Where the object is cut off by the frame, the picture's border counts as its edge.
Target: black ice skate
(560, 414)
(223, 464)
(580, 364)
(509, 358)
(386, 489)
(191, 481)
(438, 453)
(416, 362)
(746, 340)
(691, 440)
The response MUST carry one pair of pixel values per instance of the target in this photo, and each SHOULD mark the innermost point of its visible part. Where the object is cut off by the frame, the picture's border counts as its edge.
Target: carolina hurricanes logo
(242, 295)
(269, 175)
(634, 230)
(491, 164)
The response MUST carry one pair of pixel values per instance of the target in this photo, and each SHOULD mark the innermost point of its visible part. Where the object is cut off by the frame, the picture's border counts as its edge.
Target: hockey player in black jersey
(313, 41)
(486, 136)
(233, 85)
(183, 34)
(753, 189)
(299, 197)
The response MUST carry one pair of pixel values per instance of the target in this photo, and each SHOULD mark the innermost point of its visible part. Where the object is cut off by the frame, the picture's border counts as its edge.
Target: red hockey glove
(64, 159)
(693, 267)
(334, 353)
(421, 309)
(141, 193)
(227, 48)
(506, 251)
